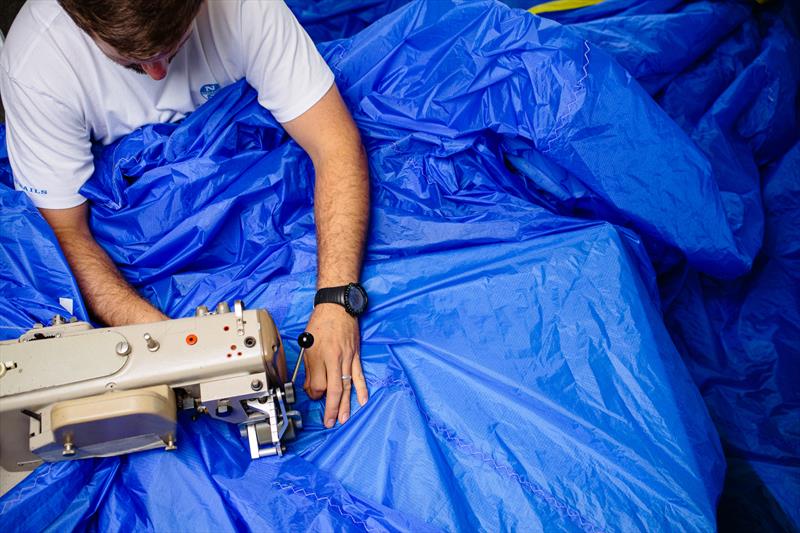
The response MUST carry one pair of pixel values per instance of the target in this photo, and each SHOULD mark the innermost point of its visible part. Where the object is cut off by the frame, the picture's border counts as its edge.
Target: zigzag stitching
(506, 470)
(35, 482)
(571, 105)
(501, 468)
(390, 382)
(327, 501)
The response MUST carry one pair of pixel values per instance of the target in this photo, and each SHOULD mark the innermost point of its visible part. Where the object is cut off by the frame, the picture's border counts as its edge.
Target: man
(83, 71)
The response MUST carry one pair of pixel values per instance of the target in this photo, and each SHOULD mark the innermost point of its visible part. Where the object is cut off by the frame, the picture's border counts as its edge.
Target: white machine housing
(69, 391)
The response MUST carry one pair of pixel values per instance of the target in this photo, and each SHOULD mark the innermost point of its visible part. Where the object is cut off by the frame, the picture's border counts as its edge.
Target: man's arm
(107, 294)
(341, 209)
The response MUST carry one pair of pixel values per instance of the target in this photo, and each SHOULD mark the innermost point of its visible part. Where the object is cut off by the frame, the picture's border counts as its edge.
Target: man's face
(155, 67)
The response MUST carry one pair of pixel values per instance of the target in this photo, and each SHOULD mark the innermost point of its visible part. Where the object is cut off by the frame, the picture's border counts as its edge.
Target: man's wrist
(352, 297)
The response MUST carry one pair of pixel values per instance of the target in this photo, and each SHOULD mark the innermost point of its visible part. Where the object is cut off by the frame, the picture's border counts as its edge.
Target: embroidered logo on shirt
(209, 90)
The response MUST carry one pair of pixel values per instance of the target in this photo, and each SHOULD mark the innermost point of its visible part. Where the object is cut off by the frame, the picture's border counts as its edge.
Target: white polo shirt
(61, 93)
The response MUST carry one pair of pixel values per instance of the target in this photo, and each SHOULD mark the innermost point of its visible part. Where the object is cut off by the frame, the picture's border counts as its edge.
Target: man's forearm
(341, 210)
(341, 197)
(106, 293)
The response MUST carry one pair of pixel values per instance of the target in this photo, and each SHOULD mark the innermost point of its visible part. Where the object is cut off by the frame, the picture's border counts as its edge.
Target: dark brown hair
(137, 29)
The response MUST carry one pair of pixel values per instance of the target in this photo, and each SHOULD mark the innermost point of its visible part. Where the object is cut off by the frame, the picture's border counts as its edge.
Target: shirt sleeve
(281, 61)
(48, 146)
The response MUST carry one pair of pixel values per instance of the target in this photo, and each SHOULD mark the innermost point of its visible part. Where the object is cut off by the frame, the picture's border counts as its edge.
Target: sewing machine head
(68, 391)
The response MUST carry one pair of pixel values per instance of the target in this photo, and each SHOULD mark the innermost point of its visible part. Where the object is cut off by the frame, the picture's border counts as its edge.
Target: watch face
(356, 299)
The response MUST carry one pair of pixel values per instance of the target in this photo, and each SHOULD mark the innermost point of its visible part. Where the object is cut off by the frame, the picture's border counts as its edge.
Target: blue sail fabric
(733, 87)
(326, 20)
(520, 372)
(749, 368)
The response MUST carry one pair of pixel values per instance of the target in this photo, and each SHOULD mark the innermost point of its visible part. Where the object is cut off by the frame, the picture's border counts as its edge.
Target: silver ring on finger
(346, 377)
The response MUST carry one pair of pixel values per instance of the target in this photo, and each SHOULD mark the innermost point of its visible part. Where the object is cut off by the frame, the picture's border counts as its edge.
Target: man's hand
(334, 355)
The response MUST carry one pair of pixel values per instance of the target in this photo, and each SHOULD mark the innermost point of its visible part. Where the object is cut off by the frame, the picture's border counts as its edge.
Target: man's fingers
(358, 381)
(334, 397)
(344, 406)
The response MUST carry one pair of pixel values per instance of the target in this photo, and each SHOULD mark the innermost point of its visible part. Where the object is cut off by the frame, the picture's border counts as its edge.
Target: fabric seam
(326, 500)
(502, 469)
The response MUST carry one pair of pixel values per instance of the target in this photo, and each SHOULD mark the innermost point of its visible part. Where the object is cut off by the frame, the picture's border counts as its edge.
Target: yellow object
(566, 5)
(562, 5)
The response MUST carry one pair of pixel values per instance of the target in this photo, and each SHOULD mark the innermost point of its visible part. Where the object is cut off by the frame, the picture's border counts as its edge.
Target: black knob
(305, 340)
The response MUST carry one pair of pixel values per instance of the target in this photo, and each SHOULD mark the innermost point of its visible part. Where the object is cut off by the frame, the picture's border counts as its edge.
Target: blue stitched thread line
(507, 471)
(327, 501)
(35, 482)
(571, 104)
(386, 383)
(502, 469)
(335, 59)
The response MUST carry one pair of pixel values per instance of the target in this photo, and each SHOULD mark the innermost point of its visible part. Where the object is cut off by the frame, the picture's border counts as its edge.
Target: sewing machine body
(68, 391)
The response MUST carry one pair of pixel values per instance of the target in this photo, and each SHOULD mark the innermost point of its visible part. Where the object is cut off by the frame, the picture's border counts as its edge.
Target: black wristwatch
(352, 297)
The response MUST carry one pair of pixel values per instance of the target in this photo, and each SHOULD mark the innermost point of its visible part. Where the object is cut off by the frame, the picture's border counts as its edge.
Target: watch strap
(331, 295)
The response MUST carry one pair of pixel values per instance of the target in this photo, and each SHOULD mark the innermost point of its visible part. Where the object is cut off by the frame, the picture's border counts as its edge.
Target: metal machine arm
(68, 391)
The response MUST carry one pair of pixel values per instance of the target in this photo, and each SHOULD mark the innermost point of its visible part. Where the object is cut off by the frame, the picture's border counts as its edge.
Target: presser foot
(270, 425)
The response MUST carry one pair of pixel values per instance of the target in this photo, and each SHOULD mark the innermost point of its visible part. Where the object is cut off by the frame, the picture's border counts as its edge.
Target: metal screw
(123, 348)
(152, 344)
(223, 308)
(256, 384)
(249, 341)
(201, 310)
(69, 448)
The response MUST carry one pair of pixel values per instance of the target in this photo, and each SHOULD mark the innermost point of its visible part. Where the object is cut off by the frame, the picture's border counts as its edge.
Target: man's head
(142, 35)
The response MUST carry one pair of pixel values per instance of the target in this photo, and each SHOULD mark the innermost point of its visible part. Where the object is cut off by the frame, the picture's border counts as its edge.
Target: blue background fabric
(546, 198)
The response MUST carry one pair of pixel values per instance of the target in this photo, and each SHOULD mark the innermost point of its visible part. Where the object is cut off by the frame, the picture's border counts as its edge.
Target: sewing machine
(69, 391)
